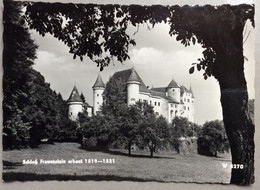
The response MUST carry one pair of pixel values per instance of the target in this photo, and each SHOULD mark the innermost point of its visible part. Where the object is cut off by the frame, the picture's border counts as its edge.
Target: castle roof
(74, 96)
(163, 95)
(160, 89)
(173, 84)
(184, 89)
(99, 82)
(133, 76)
(129, 75)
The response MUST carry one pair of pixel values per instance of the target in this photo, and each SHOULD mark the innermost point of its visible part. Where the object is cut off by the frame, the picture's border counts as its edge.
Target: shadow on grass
(16, 176)
(11, 165)
(116, 152)
(120, 153)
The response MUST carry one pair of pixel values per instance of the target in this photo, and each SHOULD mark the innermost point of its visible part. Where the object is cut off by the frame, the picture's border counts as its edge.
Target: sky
(158, 58)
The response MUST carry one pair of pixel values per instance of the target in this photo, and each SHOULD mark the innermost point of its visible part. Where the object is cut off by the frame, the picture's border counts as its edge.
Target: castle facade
(169, 101)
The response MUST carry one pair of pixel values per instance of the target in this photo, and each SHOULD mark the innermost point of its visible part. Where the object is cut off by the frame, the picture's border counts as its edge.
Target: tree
(213, 139)
(155, 132)
(181, 127)
(18, 55)
(97, 131)
(129, 120)
(114, 97)
(31, 110)
(219, 29)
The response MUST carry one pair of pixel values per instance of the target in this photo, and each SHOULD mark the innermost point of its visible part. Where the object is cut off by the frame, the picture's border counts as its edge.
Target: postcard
(128, 92)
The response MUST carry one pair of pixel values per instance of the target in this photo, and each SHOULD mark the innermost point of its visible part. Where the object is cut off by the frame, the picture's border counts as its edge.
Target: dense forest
(32, 111)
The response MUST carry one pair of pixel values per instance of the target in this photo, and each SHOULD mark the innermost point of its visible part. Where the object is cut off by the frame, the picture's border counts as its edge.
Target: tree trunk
(151, 151)
(234, 100)
(240, 132)
(129, 148)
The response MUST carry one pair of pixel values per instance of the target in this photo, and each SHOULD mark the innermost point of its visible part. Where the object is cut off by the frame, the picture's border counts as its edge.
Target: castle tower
(75, 104)
(133, 84)
(174, 91)
(98, 89)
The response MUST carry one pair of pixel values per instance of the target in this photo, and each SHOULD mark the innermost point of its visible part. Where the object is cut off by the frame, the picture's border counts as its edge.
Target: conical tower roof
(173, 84)
(74, 96)
(99, 82)
(133, 76)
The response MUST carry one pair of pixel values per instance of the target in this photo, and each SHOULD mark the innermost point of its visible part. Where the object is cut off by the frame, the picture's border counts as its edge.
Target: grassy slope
(164, 167)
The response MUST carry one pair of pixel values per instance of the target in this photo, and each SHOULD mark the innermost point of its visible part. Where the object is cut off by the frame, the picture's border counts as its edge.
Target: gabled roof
(99, 82)
(74, 96)
(173, 84)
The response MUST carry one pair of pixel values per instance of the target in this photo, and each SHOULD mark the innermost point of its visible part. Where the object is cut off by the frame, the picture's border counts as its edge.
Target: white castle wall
(132, 93)
(89, 110)
(74, 109)
(188, 106)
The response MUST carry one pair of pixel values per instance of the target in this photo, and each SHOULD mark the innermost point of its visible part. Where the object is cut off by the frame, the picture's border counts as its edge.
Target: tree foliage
(155, 132)
(114, 97)
(99, 30)
(31, 110)
(213, 139)
(182, 127)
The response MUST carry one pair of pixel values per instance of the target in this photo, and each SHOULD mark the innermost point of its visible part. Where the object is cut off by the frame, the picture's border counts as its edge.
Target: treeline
(133, 126)
(31, 110)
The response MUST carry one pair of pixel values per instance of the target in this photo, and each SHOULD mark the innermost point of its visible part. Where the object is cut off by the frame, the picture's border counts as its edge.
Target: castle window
(70, 113)
(132, 99)
(188, 100)
(173, 90)
(97, 94)
(184, 107)
(188, 108)
(158, 103)
(140, 100)
(157, 113)
(155, 103)
(97, 102)
(171, 105)
(184, 99)
(175, 106)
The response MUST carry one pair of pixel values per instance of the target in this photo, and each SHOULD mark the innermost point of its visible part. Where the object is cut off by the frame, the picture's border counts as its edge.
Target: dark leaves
(191, 70)
(198, 67)
(100, 30)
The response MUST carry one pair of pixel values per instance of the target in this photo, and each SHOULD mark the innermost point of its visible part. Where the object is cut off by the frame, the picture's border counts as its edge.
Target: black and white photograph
(96, 91)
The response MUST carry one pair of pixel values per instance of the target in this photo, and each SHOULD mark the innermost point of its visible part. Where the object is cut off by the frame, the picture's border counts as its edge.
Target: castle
(170, 101)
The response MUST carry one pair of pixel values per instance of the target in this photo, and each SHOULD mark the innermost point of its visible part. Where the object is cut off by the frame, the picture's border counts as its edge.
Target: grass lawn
(164, 167)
